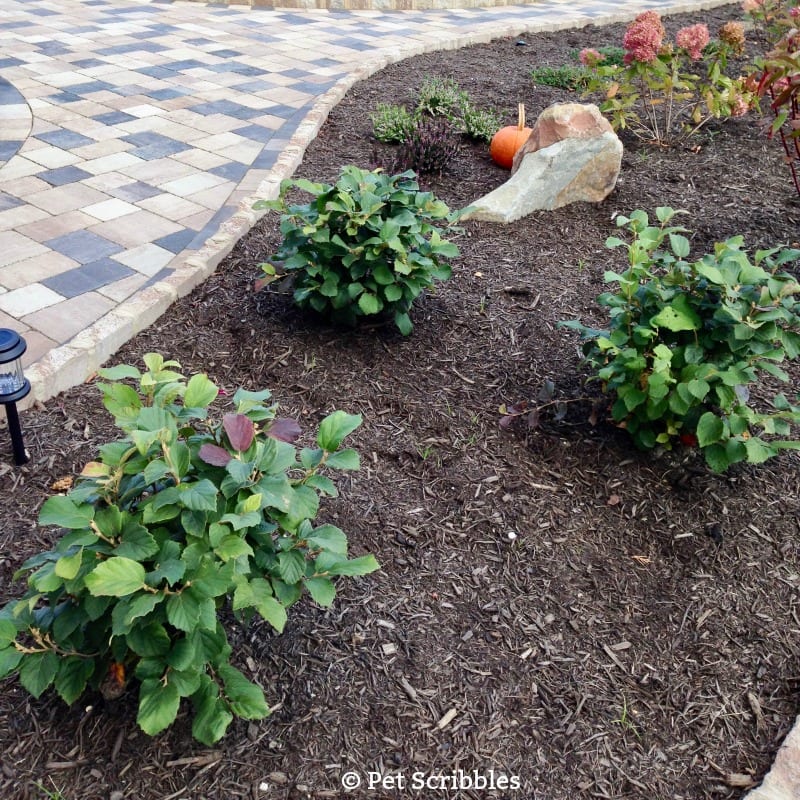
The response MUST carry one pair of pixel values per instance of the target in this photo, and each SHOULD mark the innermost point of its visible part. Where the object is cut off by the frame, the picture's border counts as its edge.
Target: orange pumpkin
(508, 140)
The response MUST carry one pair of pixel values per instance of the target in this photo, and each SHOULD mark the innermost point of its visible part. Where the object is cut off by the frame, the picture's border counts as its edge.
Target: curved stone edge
(76, 361)
(29, 119)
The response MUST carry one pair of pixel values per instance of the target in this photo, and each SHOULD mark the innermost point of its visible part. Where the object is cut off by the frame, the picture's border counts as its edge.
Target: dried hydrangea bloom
(643, 38)
(732, 34)
(590, 57)
(693, 39)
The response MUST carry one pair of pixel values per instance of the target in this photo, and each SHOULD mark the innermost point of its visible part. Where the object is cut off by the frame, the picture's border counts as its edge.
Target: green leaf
(758, 451)
(73, 673)
(335, 427)
(119, 372)
(321, 590)
(136, 608)
(67, 567)
(710, 429)
(369, 303)
(403, 322)
(322, 484)
(344, 459)
(136, 542)
(115, 577)
(246, 699)
(8, 633)
(291, 565)
(37, 672)
(9, 661)
(149, 641)
(699, 388)
(329, 537)
(273, 612)
(62, 511)
(200, 496)
(158, 706)
(200, 392)
(233, 546)
(183, 610)
(356, 566)
(212, 717)
(678, 316)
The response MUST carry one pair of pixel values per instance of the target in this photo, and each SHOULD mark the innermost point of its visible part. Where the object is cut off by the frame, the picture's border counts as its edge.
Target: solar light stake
(13, 386)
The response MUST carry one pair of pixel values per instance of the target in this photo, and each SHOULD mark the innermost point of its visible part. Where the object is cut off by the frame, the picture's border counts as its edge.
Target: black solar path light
(13, 387)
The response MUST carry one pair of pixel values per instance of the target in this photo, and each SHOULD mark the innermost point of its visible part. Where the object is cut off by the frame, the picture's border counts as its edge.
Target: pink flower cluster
(794, 12)
(693, 39)
(644, 38)
(590, 57)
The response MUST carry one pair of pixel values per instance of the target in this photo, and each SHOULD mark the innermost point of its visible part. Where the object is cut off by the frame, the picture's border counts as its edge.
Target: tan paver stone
(36, 269)
(49, 157)
(15, 247)
(123, 289)
(69, 197)
(10, 322)
(147, 259)
(22, 187)
(191, 184)
(25, 301)
(215, 197)
(38, 343)
(158, 170)
(170, 206)
(64, 320)
(144, 110)
(18, 167)
(21, 215)
(49, 226)
(107, 147)
(117, 162)
(200, 159)
(135, 229)
(110, 209)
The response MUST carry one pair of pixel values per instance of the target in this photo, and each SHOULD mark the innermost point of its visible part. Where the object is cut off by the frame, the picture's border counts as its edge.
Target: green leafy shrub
(567, 76)
(429, 148)
(687, 338)
(391, 124)
(367, 245)
(179, 518)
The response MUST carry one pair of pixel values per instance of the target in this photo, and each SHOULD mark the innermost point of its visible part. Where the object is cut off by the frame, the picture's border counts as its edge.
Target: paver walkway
(130, 132)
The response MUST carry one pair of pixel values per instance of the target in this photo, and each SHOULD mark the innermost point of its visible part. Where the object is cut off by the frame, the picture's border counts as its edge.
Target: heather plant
(391, 124)
(440, 99)
(665, 91)
(367, 245)
(188, 515)
(779, 80)
(687, 339)
(429, 148)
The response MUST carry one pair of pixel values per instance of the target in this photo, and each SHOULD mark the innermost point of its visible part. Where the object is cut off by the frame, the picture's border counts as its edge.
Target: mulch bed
(603, 623)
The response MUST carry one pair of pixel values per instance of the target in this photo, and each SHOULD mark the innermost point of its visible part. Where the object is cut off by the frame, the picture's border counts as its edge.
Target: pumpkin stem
(521, 116)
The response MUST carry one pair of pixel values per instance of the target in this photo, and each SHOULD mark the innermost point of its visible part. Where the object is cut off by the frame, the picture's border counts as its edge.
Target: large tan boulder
(563, 121)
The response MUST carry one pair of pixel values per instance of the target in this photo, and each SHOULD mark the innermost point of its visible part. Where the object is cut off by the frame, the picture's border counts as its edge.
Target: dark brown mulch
(639, 636)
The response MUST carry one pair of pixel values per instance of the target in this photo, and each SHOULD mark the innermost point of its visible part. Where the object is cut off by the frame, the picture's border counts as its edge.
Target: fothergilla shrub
(687, 338)
(367, 245)
(184, 516)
